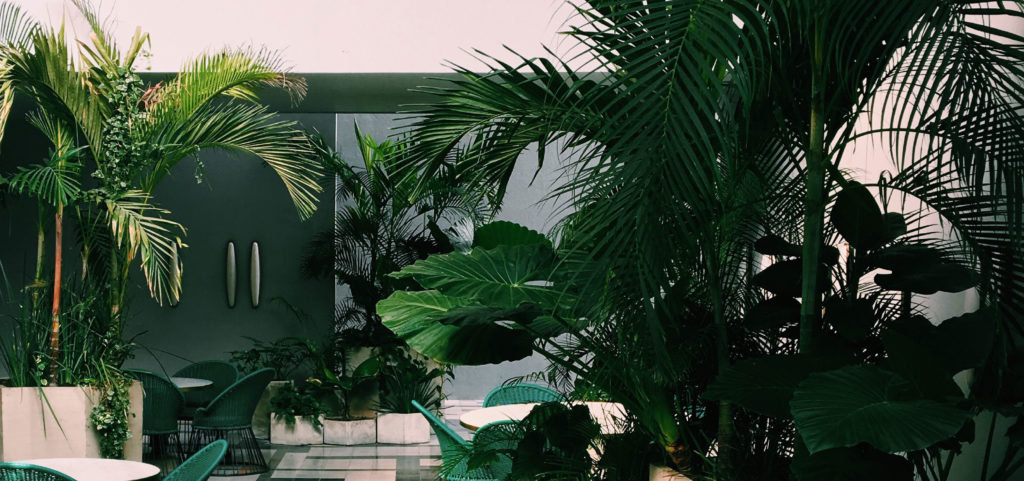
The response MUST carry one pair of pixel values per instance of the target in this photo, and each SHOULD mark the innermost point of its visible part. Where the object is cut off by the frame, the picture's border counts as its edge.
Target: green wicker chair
(30, 472)
(453, 453)
(200, 466)
(518, 394)
(161, 404)
(222, 373)
(229, 417)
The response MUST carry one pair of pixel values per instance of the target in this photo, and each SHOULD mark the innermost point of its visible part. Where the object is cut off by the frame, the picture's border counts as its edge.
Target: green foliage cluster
(291, 401)
(123, 146)
(405, 376)
(111, 414)
(718, 143)
(388, 221)
(285, 356)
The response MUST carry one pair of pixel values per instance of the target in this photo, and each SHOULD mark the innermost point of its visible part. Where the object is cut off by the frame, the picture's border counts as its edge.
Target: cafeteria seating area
(496, 240)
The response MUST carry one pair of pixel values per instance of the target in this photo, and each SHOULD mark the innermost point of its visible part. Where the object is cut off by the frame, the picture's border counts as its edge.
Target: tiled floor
(372, 462)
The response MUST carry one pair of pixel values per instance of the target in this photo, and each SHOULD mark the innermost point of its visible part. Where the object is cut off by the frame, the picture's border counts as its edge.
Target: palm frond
(138, 226)
(243, 128)
(233, 74)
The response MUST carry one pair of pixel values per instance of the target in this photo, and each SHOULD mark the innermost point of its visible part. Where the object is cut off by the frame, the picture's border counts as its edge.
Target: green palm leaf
(137, 226)
(242, 128)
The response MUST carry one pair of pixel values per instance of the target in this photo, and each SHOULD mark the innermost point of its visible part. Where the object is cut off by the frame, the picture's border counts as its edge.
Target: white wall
(333, 36)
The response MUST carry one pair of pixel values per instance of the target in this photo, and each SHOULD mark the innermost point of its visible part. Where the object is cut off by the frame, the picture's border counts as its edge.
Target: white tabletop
(95, 469)
(187, 383)
(609, 415)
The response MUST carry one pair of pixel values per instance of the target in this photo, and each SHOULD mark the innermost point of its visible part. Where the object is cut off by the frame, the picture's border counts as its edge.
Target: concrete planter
(393, 428)
(261, 416)
(665, 473)
(301, 432)
(53, 422)
(347, 433)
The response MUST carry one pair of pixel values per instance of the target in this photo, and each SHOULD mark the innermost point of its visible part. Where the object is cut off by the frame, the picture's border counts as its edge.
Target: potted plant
(297, 416)
(284, 356)
(100, 118)
(342, 426)
(406, 377)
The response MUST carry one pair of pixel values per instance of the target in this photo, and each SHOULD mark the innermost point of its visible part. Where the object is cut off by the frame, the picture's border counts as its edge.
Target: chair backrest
(451, 443)
(30, 472)
(199, 466)
(454, 452)
(222, 373)
(520, 393)
(233, 408)
(161, 402)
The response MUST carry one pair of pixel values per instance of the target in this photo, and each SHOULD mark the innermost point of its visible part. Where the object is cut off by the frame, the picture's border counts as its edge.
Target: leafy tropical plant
(719, 124)
(135, 135)
(405, 377)
(291, 401)
(285, 355)
(340, 381)
(384, 225)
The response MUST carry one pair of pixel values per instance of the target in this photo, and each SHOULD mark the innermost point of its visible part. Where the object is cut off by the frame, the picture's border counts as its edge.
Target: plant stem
(988, 448)
(58, 235)
(814, 208)
(40, 256)
(726, 433)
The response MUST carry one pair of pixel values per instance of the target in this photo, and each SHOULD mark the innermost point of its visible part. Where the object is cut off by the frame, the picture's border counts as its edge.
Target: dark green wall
(240, 200)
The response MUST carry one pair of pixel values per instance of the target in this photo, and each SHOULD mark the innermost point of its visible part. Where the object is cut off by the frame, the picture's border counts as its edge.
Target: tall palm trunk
(814, 208)
(726, 431)
(58, 237)
(40, 258)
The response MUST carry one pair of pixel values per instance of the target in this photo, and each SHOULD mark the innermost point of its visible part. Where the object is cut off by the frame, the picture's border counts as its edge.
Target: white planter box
(402, 429)
(301, 432)
(261, 416)
(53, 422)
(347, 433)
(665, 473)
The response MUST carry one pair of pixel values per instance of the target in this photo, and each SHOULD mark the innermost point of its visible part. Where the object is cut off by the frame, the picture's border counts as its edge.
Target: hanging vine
(110, 416)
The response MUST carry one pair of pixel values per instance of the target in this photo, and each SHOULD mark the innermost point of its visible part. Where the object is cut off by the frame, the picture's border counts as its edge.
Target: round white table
(95, 469)
(190, 383)
(609, 415)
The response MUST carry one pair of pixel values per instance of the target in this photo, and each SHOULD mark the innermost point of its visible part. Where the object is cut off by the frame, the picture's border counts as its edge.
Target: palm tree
(385, 225)
(719, 122)
(135, 136)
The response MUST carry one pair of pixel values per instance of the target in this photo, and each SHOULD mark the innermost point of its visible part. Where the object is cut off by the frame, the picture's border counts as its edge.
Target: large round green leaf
(865, 404)
(500, 277)
(857, 217)
(765, 384)
(504, 233)
(773, 313)
(860, 463)
(456, 330)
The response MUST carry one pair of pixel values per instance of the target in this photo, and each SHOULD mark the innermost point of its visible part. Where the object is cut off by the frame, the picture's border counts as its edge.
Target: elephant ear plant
(718, 123)
(877, 395)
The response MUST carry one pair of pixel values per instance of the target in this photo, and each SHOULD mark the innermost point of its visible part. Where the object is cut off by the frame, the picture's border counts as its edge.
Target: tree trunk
(58, 235)
(814, 208)
(726, 431)
(40, 259)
